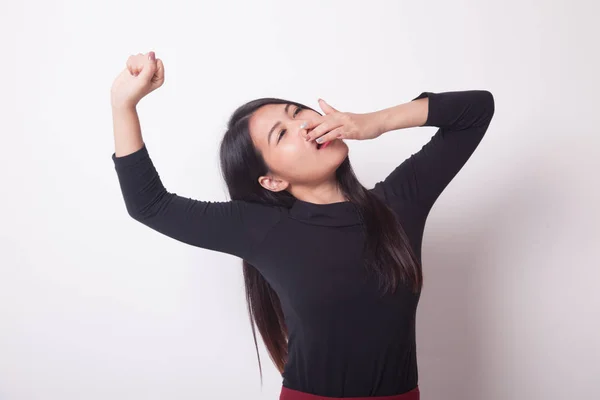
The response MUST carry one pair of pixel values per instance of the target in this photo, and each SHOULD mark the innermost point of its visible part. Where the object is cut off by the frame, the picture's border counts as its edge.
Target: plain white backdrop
(94, 305)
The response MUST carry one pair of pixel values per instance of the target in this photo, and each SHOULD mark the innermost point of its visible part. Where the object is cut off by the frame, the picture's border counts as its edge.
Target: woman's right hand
(144, 73)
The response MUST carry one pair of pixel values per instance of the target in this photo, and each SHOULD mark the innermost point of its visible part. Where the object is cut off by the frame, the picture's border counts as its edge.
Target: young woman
(332, 270)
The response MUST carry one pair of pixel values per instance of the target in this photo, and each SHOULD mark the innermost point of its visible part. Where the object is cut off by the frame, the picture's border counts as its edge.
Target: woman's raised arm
(234, 227)
(462, 118)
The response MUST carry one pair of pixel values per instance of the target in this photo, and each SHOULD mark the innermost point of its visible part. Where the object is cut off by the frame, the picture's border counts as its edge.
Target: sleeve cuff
(433, 109)
(130, 158)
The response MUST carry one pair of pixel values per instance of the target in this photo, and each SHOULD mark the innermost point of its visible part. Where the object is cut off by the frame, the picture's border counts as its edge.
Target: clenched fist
(144, 73)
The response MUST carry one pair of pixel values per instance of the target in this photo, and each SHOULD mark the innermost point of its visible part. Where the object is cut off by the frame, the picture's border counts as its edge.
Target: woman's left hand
(342, 125)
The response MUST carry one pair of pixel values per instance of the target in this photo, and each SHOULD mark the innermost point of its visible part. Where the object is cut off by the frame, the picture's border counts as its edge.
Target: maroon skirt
(290, 394)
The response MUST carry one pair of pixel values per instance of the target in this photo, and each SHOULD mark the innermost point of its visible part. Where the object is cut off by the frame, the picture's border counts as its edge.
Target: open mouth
(322, 146)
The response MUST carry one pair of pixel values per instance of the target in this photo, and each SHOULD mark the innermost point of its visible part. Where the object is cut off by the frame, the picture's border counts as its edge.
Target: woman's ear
(272, 184)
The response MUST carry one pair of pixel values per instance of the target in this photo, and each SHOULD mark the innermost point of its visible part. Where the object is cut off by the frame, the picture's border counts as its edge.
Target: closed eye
(297, 111)
(283, 131)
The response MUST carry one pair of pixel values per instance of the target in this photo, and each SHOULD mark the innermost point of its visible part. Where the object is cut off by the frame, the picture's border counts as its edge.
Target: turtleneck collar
(343, 213)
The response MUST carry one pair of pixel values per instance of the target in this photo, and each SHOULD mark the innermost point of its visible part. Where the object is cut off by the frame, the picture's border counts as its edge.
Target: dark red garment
(291, 394)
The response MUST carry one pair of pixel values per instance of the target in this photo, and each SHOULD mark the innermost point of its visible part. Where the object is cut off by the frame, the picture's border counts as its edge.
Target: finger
(336, 133)
(133, 69)
(311, 121)
(134, 64)
(327, 109)
(129, 66)
(149, 67)
(160, 70)
(322, 129)
(308, 124)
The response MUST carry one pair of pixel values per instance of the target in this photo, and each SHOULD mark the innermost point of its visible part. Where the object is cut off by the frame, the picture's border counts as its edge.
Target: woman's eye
(283, 131)
(281, 134)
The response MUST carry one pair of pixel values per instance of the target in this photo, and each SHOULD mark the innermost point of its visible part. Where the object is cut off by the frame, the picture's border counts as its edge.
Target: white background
(94, 305)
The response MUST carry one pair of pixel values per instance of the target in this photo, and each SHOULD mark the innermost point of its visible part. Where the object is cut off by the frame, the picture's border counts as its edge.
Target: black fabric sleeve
(462, 118)
(233, 227)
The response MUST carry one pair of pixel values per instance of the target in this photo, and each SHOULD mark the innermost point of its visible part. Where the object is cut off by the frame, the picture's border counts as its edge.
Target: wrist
(405, 115)
(119, 107)
(380, 122)
(119, 101)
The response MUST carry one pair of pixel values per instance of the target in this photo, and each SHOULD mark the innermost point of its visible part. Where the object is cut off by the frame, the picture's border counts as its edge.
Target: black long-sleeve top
(345, 340)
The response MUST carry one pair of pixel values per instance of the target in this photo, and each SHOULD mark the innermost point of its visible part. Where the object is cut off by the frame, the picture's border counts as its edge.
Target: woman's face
(275, 131)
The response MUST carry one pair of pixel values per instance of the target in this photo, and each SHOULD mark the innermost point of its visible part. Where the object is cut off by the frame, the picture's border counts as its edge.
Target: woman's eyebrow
(287, 106)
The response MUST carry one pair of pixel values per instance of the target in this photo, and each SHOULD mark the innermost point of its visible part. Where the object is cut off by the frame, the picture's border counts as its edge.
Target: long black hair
(387, 248)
